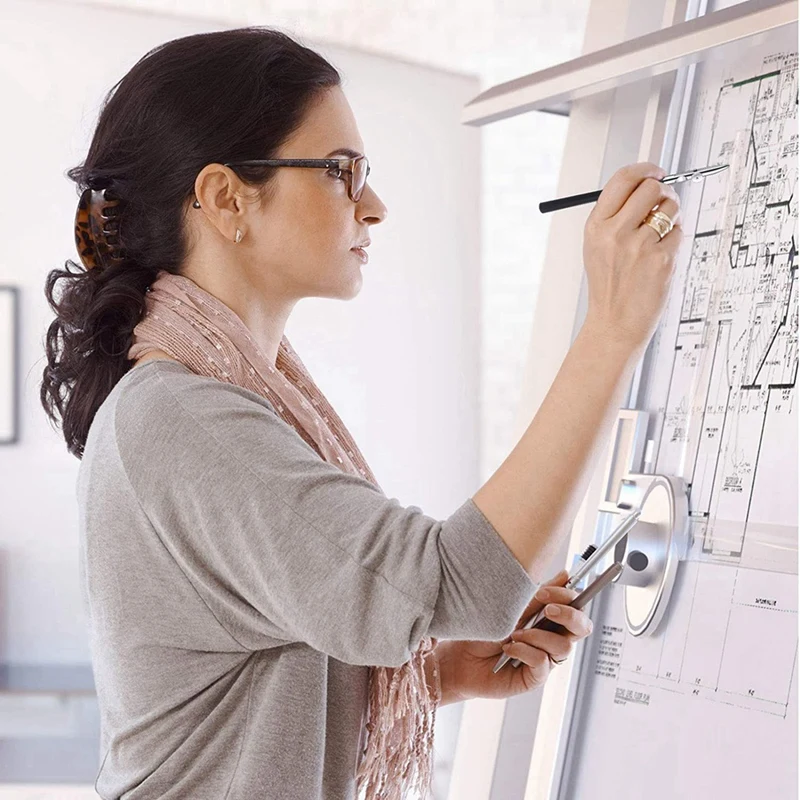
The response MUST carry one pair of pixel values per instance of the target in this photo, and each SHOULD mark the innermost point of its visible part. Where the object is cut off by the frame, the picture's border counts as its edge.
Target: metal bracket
(624, 456)
(653, 548)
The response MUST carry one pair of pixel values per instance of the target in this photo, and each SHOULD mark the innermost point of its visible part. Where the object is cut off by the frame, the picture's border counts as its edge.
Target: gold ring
(660, 223)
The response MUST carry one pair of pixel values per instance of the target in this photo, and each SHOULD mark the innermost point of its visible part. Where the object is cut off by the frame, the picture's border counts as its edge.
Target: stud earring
(196, 204)
(239, 236)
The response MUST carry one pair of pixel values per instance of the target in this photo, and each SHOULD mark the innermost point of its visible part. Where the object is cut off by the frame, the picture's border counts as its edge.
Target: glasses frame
(318, 163)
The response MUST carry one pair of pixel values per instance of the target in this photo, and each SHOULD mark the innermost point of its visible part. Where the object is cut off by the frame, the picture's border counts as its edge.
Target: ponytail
(207, 98)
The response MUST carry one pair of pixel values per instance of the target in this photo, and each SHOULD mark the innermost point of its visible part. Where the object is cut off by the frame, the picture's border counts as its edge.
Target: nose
(369, 208)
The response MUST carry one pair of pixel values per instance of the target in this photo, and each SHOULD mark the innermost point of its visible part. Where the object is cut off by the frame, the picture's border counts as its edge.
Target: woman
(263, 619)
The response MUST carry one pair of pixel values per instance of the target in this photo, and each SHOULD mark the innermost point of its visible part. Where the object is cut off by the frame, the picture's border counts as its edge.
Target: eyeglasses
(355, 170)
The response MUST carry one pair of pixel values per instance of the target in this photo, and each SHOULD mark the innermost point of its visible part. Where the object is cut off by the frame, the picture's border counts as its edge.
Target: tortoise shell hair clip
(97, 227)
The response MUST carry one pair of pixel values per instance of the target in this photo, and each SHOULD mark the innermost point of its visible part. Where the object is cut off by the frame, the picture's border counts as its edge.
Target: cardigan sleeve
(285, 547)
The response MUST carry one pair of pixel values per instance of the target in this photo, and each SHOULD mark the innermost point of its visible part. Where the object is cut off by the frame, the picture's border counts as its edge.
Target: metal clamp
(653, 548)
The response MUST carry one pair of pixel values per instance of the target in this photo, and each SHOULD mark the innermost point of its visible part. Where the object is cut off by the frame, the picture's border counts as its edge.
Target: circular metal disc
(664, 505)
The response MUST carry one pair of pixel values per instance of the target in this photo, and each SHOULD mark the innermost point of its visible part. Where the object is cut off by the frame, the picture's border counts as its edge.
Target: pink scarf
(201, 332)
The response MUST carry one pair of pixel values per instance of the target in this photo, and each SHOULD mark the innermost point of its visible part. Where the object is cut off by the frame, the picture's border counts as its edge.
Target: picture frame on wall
(9, 364)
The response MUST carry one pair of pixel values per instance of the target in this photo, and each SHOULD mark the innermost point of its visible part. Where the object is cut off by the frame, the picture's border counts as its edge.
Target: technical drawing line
(727, 626)
(755, 468)
(691, 611)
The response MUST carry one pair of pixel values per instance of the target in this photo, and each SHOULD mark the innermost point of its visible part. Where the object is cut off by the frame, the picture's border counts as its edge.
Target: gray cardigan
(238, 587)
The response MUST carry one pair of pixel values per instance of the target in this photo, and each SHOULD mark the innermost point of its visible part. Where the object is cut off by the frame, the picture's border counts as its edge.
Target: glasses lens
(360, 169)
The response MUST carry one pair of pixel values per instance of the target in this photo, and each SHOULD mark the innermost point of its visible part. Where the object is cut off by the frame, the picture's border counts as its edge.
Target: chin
(342, 290)
(353, 289)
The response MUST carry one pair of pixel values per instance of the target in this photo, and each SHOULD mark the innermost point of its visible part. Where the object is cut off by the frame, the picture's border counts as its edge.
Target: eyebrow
(345, 151)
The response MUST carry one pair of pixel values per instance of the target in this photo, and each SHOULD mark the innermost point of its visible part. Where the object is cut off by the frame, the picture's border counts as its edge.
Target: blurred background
(447, 300)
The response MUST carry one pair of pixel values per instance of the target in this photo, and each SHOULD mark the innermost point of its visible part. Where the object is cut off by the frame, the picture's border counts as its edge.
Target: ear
(220, 194)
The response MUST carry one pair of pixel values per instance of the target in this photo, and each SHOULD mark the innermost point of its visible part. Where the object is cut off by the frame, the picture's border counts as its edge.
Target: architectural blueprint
(725, 400)
(717, 683)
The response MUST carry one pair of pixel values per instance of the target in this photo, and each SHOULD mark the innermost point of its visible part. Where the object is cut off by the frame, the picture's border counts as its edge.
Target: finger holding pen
(617, 192)
(644, 198)
(589, 559)
(628, 266)
(553, 639)
(573, 623)
(571, 620)
(549, 595)
(550, 591)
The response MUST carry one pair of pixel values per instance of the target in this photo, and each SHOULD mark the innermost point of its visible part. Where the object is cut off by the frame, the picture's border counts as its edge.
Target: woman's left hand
(467, 665)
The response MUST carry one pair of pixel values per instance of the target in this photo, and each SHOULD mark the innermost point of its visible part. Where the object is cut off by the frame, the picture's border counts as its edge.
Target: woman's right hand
(629, 269)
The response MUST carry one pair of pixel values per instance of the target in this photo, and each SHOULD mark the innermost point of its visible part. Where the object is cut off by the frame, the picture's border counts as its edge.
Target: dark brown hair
(207, 98)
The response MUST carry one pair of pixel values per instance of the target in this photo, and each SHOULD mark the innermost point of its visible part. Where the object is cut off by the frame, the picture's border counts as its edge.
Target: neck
(263, 311)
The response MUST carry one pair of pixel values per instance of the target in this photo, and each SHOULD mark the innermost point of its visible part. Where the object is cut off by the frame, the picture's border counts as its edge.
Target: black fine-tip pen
(591, 197)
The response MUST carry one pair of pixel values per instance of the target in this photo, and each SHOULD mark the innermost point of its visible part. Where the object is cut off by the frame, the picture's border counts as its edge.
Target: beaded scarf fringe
(401, 711)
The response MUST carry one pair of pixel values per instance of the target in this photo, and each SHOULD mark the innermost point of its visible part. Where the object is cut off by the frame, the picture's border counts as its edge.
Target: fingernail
(542, 594)
(552, 611)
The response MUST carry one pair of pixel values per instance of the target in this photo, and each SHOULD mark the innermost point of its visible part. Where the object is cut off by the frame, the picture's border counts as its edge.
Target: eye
(336, 172)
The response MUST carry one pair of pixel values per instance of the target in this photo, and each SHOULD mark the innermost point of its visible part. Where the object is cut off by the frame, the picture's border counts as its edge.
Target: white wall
(399, 362)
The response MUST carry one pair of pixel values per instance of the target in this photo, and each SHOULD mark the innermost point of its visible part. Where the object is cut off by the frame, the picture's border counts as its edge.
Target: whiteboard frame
(673, 46)
(561, 708)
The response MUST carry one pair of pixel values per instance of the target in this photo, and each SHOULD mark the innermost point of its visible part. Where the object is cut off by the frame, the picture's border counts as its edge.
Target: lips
(361, 253)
